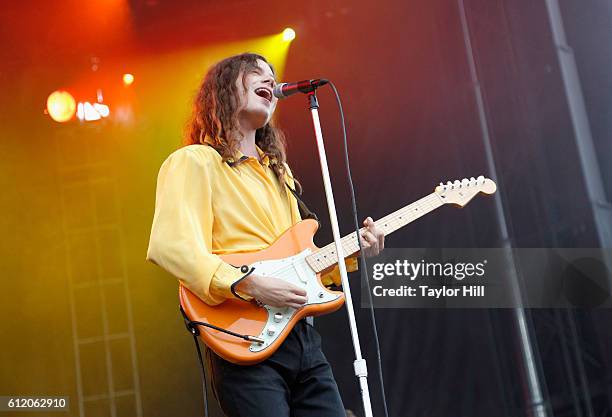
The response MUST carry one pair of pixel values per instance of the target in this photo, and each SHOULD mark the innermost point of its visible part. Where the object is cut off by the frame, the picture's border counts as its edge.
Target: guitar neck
(327, 256)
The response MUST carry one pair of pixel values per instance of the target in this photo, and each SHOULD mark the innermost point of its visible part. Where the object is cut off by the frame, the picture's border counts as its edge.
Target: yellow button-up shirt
(205, 208)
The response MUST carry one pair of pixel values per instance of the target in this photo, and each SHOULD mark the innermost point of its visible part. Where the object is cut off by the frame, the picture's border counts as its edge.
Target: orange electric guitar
(244, 333)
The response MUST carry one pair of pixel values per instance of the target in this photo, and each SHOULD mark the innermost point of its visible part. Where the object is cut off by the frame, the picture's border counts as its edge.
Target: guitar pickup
(300, 273)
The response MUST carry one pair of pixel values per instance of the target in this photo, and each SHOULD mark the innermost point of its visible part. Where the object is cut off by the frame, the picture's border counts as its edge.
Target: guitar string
(393, 217)
(394, 220)
(327, 257)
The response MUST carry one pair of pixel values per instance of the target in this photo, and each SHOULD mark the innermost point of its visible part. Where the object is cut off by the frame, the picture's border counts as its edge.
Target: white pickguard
(296, 271)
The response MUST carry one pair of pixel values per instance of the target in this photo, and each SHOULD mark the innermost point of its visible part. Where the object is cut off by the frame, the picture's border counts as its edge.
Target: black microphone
(284, 90)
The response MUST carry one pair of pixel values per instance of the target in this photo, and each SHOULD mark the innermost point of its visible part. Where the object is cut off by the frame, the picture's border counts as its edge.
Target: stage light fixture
(288, 35)
(128, 79)
(61, 106)
(89, 112)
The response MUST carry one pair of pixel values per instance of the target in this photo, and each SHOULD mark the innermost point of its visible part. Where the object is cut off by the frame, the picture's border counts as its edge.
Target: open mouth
(264, 92)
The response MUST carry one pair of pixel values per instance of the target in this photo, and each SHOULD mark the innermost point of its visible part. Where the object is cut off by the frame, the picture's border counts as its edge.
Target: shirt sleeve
(181, 234)
(333, 275)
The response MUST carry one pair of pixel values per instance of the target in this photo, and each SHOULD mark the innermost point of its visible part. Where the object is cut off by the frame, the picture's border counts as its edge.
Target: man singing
(227, 191)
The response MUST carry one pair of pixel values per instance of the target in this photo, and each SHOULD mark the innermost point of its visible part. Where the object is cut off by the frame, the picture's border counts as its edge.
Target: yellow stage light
(288, 35)
(61, 106)
(128, 79)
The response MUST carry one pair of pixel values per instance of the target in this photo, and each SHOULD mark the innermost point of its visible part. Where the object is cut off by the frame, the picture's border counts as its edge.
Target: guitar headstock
(461, 192)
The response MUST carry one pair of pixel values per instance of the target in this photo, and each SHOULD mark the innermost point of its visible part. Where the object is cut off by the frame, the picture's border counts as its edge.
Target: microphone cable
(363, 264)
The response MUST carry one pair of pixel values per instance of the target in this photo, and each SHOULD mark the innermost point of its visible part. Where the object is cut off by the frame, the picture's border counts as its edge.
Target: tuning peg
(480, 178)
(457, 184)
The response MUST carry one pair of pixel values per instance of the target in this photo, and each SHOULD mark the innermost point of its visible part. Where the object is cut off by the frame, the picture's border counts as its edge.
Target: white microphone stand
(359, 365)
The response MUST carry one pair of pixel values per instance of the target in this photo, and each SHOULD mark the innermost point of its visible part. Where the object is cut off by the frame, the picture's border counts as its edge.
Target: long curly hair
(215, 113)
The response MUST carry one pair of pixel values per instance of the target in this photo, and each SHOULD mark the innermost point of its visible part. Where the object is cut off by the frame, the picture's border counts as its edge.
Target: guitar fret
(326, 256)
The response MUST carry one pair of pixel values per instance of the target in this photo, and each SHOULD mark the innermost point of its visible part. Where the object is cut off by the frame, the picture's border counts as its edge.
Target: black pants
(296, 381)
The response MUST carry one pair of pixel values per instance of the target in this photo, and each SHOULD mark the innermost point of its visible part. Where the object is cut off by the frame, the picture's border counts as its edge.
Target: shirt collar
(263, 157)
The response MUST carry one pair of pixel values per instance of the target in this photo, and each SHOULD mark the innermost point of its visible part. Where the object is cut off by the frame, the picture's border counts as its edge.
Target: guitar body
(284, 259)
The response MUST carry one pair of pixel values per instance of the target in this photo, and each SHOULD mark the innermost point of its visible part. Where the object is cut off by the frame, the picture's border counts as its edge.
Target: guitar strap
(305, 212)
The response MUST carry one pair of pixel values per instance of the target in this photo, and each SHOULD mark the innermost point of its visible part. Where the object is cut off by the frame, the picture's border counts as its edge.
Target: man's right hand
(273, 291)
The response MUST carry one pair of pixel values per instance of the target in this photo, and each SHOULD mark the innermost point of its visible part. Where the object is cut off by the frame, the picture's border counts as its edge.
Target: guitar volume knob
(271, 330)
(278, 317)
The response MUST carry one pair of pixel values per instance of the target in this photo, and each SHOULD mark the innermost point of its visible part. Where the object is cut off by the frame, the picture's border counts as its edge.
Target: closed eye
(270, 78)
